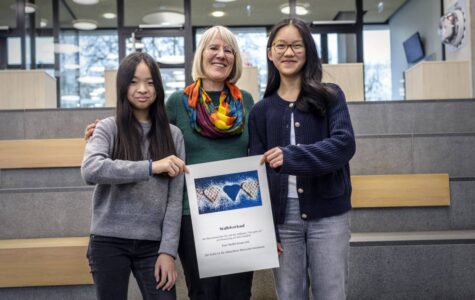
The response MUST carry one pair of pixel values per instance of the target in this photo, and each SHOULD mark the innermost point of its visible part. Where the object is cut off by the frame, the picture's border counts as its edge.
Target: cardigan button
(304, 216)
(297, 124)
(291, 105)
(300, 190)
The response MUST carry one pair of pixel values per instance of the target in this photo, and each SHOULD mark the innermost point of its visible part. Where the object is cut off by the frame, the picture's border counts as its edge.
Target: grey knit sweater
(127, 202)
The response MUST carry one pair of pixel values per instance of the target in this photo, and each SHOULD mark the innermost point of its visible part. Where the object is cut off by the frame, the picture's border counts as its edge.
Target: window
(84, 56)
(377, 66)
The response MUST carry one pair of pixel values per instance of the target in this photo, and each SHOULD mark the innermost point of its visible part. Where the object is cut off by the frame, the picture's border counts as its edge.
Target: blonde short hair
(228, 37)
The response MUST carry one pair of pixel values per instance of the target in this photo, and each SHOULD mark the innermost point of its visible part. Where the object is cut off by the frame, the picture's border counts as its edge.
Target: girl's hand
(165, 272)
(90, 130)
(274, 157)
(171, 165)
(280, 249)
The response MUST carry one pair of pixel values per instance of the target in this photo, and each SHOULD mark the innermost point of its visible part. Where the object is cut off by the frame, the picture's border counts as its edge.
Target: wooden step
(44, 262)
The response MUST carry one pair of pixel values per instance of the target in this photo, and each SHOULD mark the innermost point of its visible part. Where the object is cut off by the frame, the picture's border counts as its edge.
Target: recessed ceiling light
(218, 14)
(83, 24)
(167, 18)
(86, 2)
(30, 8)
(109, 15)
(300, 10)
(43, 23)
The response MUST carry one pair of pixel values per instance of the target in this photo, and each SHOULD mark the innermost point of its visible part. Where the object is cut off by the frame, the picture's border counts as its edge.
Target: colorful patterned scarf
(224, 121)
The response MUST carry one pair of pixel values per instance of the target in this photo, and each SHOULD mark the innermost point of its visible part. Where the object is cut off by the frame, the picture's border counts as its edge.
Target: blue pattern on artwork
(228, 192)
(232, 190)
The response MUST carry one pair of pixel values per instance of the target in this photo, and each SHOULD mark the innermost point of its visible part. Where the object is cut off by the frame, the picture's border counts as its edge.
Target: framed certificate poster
(231, 216)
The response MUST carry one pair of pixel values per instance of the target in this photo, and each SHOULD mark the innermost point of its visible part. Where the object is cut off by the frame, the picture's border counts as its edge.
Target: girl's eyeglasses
(281, 47)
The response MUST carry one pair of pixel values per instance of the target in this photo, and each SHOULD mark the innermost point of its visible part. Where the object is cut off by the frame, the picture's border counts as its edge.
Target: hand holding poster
(232, 216)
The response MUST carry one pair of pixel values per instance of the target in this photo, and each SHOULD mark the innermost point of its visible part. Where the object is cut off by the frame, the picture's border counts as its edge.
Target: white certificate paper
(231, 216)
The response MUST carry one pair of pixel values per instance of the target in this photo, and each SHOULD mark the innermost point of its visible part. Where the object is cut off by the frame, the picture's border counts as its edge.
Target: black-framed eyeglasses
(281, 47)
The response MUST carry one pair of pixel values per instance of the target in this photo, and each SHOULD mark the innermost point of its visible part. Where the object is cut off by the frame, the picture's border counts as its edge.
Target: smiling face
(288, 52)
(218, 62)
(141, 92)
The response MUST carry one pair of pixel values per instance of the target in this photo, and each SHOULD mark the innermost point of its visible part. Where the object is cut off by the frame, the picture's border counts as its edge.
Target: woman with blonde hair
(212, 114)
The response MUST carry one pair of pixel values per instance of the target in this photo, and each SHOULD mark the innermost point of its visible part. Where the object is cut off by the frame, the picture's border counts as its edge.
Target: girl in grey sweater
(136, 161)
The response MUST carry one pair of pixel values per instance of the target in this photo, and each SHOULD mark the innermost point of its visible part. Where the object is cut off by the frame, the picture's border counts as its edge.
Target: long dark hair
(129, 132)
(314, 96)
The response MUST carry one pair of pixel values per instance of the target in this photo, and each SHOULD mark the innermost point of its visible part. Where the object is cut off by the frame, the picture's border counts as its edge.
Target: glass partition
(90, 40)
(86, 49)
(169, 53)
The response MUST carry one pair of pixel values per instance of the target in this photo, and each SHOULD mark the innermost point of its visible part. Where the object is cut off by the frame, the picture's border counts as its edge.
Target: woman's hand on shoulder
(171, 165)
(165, 272)
(90, 130)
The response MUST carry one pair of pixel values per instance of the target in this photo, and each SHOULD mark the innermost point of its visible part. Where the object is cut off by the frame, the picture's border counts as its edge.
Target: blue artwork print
(227, 192)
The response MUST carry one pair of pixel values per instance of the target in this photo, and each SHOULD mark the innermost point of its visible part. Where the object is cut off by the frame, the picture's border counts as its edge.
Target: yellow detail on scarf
(221, 120)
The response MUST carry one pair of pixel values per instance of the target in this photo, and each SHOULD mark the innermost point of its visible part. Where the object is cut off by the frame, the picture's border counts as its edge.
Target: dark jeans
(112, 259)
(227, 287)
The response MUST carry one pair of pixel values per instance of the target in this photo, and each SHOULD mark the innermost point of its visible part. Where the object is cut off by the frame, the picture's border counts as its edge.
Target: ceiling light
(167, 18)
(43, 23)
(218, 14)
(380, 6)
(300, 10)
(109, 15)
(86, 2)
(225, 1)
(30, 8)
(83, 24)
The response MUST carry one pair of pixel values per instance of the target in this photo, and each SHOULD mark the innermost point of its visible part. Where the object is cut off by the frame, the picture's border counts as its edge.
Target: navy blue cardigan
(320, 158)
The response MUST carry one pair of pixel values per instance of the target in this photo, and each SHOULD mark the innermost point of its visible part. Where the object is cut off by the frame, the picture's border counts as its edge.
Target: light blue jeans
(315, 253)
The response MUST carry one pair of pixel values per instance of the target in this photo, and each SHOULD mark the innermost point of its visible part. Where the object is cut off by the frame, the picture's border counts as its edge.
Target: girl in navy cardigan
(303, 129)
